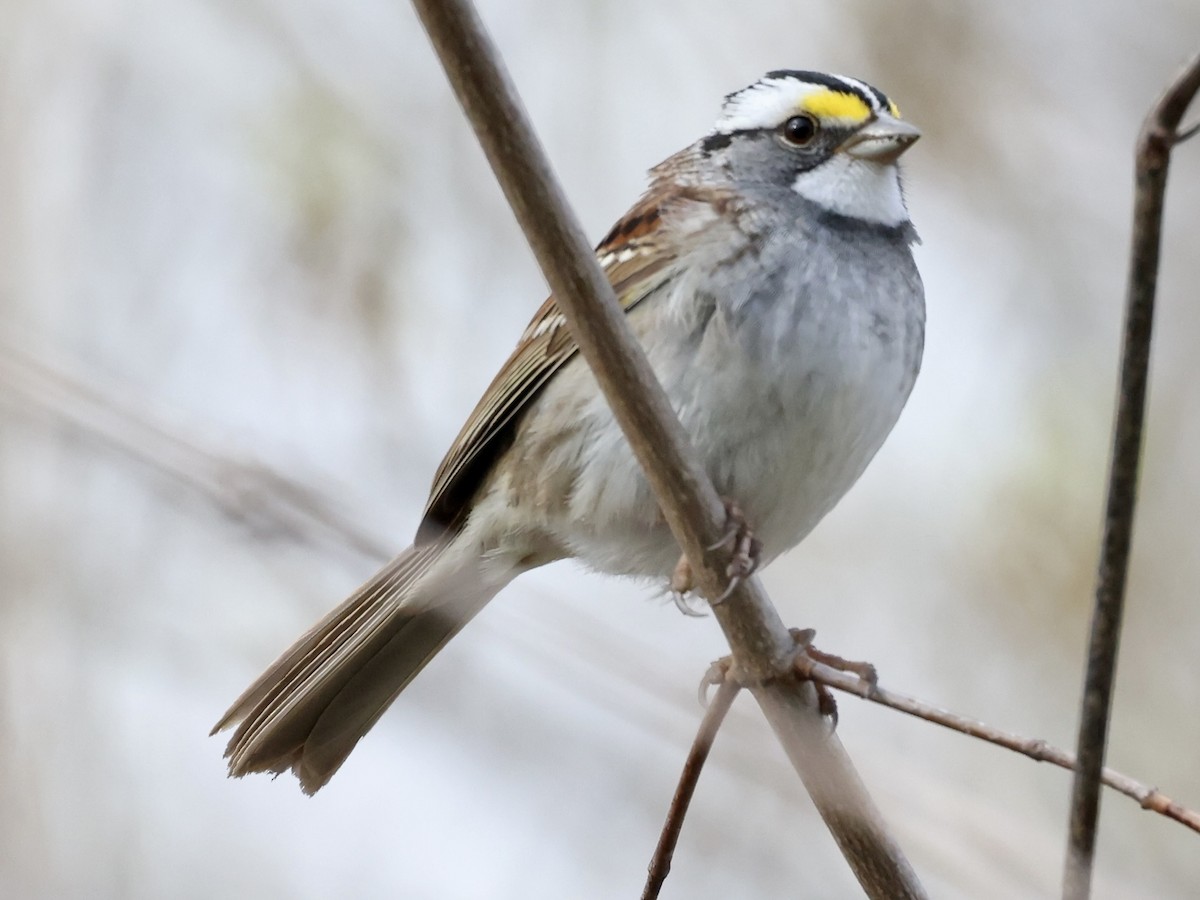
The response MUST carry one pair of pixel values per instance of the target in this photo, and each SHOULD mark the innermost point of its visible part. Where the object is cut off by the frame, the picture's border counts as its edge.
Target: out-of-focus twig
(1150, 798)
(660, 864)
(1159, 134)
(762, 647)
(258, 497)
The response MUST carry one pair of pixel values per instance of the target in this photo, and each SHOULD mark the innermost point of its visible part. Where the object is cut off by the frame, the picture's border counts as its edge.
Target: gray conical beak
(882, 140)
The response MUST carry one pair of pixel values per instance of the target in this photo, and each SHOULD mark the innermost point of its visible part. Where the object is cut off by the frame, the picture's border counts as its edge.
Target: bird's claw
(806, 654)
(716, 675)
(681, 587)
(680, 599)
(747, 549)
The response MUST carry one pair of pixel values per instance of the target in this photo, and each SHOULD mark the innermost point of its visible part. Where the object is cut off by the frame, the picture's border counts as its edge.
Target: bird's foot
(747, 550)
(724, 670)
(807, 653)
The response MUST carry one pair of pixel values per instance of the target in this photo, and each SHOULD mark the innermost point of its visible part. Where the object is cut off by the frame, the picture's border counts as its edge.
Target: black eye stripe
(718, 140)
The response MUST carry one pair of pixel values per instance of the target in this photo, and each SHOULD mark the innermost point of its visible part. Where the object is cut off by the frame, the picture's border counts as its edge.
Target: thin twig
(761, 645)
(1150, 798)
(660, 865)
(1153, 156)
(269, 503)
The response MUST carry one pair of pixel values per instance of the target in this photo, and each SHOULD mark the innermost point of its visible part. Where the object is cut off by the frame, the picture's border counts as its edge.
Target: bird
(767, 272)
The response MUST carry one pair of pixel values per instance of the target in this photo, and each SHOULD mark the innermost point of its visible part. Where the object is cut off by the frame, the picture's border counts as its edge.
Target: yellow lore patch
(829, 104)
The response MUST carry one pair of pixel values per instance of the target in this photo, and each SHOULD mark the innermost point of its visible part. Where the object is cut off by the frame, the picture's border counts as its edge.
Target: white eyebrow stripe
(763, 104)
(769, 101)
(867, 91)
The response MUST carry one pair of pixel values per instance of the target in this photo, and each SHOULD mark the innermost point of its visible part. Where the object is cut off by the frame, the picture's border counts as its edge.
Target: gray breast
(808, 355)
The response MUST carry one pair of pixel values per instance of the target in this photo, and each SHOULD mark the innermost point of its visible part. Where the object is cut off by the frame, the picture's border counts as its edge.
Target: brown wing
(636, 260)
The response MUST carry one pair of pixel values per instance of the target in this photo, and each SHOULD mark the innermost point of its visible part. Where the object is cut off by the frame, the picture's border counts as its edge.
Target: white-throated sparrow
(767, 272)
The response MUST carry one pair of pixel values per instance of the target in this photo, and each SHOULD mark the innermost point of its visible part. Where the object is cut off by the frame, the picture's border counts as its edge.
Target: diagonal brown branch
(761, 645)
(1035, 748)
(1159, 134)
(660, 865)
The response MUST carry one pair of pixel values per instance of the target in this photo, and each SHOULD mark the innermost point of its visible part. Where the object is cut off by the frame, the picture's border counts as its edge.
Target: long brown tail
(314, 703)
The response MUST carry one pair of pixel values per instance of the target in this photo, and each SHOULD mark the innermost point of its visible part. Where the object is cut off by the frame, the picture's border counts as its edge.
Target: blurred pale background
(261, 232)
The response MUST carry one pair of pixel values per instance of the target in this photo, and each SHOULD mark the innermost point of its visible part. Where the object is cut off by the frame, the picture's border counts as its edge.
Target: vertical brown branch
(1158, 135)
(763, 649)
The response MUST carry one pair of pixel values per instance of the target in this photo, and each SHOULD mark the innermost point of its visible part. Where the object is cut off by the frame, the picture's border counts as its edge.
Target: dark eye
(799, 130)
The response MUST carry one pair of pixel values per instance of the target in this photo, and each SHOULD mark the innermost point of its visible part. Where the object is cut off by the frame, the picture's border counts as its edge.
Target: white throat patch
(857, 188)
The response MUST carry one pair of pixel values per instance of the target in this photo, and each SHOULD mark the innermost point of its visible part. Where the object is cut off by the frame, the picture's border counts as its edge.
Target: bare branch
(1186, 134)
(1159, 134)
(1035, 748)
(660, 865)
(761, 645)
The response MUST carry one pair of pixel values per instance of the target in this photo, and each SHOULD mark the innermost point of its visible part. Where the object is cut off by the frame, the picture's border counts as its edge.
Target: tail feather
(310, 708)
(371, 691)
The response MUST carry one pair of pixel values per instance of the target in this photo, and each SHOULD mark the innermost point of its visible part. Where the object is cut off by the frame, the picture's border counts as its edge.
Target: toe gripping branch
(723, 676)
(806, 657)
(747, 551)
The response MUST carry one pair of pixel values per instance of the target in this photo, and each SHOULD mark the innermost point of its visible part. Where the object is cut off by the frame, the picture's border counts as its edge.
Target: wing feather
(636, 260)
